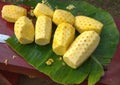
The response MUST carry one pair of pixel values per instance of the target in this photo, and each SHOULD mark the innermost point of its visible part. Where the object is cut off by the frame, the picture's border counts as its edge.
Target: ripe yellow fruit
(12, 12)
(43, 30)
(42, 9)
(63, 37)
(81, 49)
(61, 16)
(24, 30)
(84, 23)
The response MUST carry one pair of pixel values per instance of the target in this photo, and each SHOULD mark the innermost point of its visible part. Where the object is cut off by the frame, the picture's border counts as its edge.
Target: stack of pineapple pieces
(74, 51)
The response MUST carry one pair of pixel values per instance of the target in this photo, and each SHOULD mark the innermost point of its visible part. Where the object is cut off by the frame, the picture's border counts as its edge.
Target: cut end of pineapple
(69, 62)
(84, 23)
(12, 12)
(59, 50)
(22, 40)
(42, 41)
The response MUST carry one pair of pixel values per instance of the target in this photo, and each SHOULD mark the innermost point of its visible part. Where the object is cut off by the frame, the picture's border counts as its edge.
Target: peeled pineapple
(24, 30)
(63, 37)
(12, 12)
(43, 30)
(61, 16)
(42, 9)
(84, 23)
(81, 48)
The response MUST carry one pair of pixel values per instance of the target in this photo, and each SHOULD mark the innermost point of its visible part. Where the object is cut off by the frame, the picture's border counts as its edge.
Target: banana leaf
(93, 68)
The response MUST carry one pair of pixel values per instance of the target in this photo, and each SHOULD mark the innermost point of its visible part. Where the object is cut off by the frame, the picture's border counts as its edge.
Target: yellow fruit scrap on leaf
(43, 30)
(12, 12)
(63, 37)
(24, 30)
(42, 9)
(81, 48)
(84, 23)
(61, 16)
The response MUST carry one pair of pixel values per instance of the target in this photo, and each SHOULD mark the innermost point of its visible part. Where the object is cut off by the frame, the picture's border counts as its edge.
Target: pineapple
(61, 16)
(43, 30)
(84, 23)
(24, 30)
(63, 37)
(81, 49)
(12, 12)
(42, 9)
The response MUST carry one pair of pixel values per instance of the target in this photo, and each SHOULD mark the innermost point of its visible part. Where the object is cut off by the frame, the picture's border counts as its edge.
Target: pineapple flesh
(84, 23)
(12, 12)
(43, 30)
(24, 30)
(81, 49)
(61, 16)
(63, 37)
(42, 9)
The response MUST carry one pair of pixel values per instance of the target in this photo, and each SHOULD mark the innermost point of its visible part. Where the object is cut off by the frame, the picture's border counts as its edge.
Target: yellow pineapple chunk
(63, 37)
(24, 30)
(43, 30)
(42, 9)
(81, 49)
(84, 23)
(12, 12)
(61, 16)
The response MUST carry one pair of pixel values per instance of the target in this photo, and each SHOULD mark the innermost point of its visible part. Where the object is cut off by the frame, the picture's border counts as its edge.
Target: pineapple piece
(81, 49)
(63, 37)
(43, 30)
(84, 23)
(24, 30)
(42, 9)
(12, 12)
(61, 16)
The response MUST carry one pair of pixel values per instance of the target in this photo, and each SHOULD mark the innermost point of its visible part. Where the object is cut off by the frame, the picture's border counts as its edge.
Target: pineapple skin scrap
(81, 49)
(61, 16)
(63, 37)
(84, 23)
(42, 9)
(12, 12)
(43, 30)
(24, 30)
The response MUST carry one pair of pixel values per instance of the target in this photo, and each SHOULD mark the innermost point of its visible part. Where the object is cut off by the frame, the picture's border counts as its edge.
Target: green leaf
(96, 71)
(58, 71)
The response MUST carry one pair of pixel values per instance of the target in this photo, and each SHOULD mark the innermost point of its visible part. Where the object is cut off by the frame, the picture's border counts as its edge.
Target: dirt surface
(112, 6)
